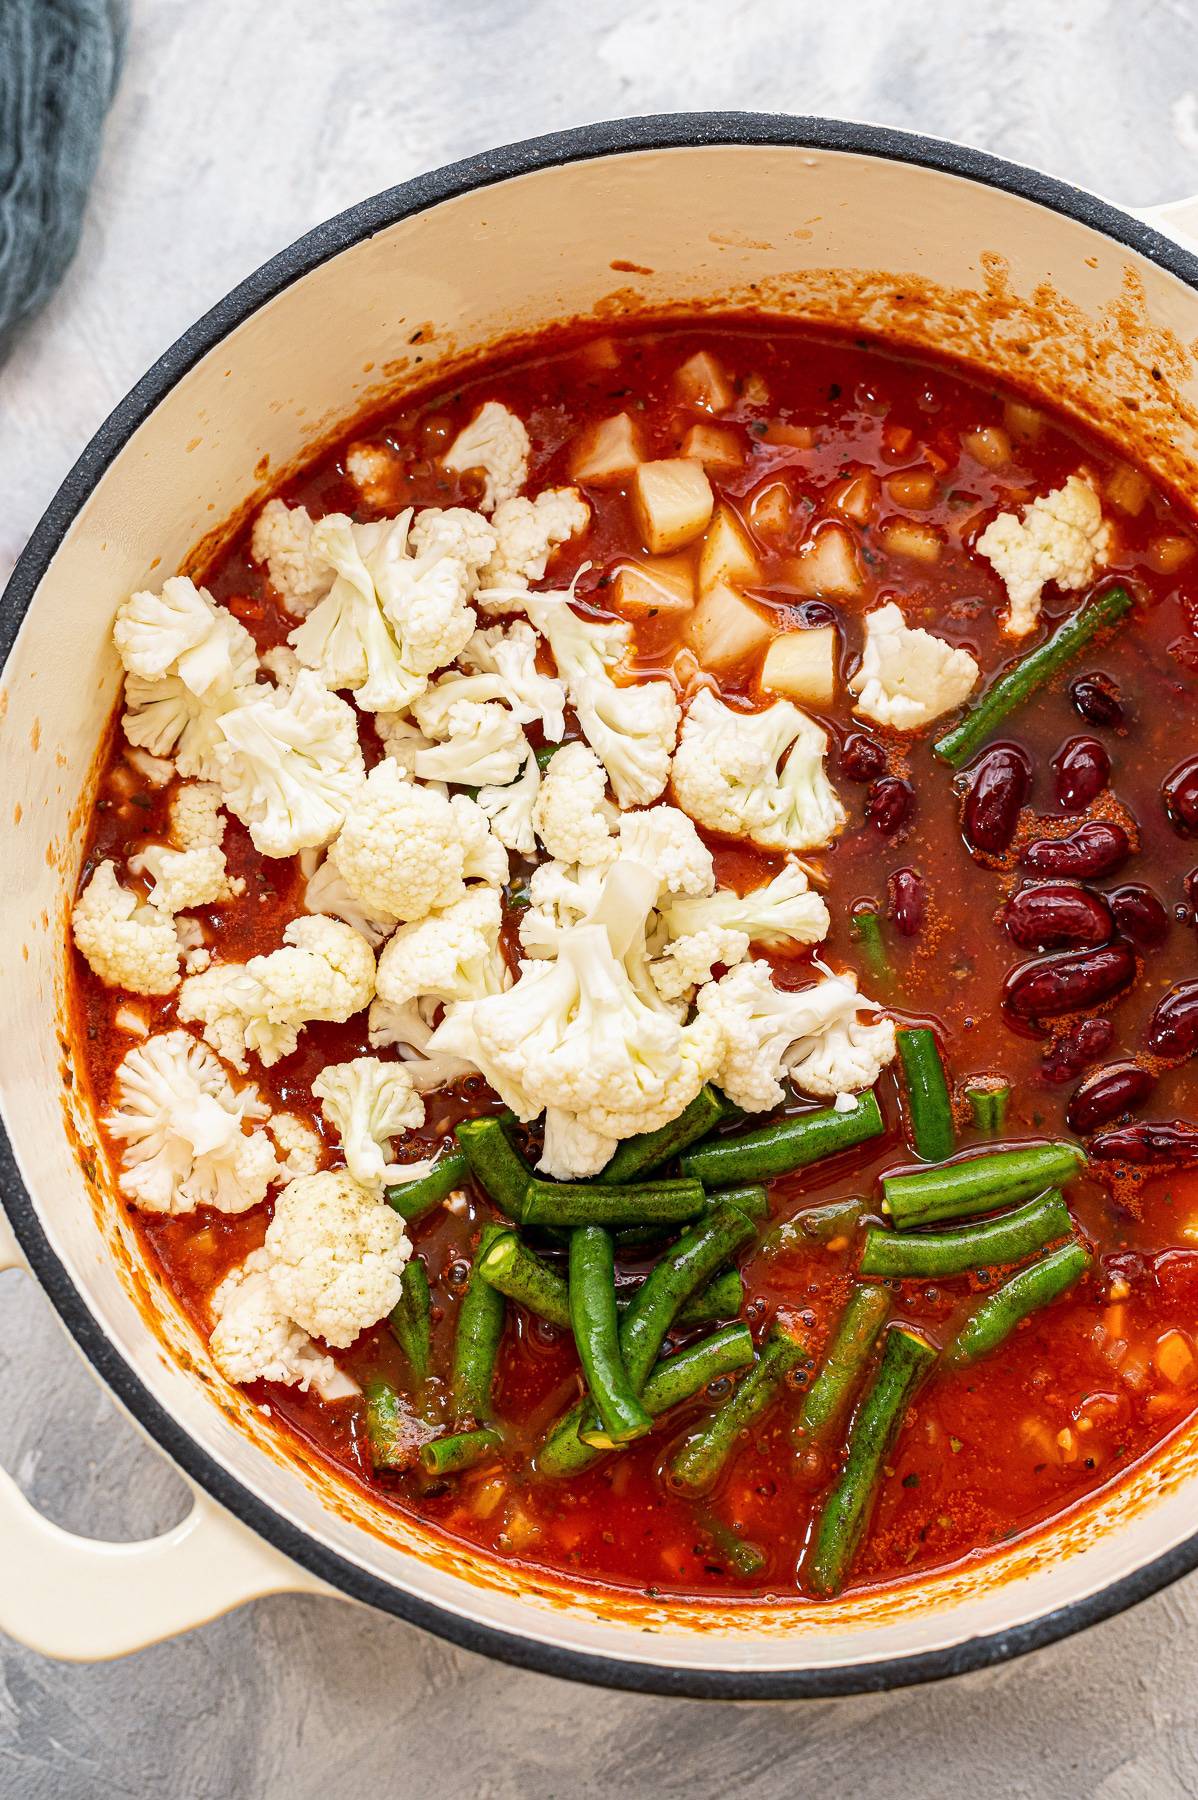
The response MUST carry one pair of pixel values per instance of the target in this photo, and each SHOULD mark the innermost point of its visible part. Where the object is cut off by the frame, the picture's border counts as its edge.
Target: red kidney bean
(1172, 1141)
(1083, 1043)
(889, 804)
(1055, 914)
(1173, 1027)
(1102, 1097)
(998, 788)
(1082, 769)
(907, 900)
(1097, 699)
(1072, 982)
(861, 758)
(1097, 848)
(1138, 913)
(1180, 793)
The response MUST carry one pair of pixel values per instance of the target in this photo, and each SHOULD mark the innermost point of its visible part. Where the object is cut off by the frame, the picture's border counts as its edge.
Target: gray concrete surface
(237, 127)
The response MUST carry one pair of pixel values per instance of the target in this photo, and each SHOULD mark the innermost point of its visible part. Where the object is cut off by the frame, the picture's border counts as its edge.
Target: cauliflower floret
(509, 657)
(404, 850)
(571, 1150)
(812, 1034)
(689, 959)
(401, 739)
(907, 676)
(779, 914)
(458, 532)
(336, 1256)
(185, 878)
(158, 771)
(282, 539)
(281, 662)
(573, 816)
(192, 942)
(368, 1102)
(301, 1150)
(327, 891)
(509, 808)
(495, 443)
(1061, 538)
(666, 841)
(408, 1029)
(181, 1120)
(450, 955)
(127, 944)
(254, 1340)
(195, 816)
(485, 747)
(726, 775)
(527, 531)
(373, 469)
(188, 662)
(560, 896)
(290, 765)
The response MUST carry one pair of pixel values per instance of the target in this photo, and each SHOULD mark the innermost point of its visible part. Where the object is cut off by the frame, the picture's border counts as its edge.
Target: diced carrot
(897, 439)
(1173, 1358)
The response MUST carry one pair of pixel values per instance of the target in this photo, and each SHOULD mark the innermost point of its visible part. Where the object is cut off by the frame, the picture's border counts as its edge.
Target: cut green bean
(596, 1203)
(1006, 1239)
(639, 1156)
(753, 1200)
(413, 1199)
(867, 931)
(1018, 682)
(597, 1335)
(461, 1450)
(495, 1163)
(846, 1359)
(697, 1464)
(521, 1275)
(988, 1106)
(720, 1299)
(818, 1224)
(1036, 1286)
(389, 1427)
(930, 1108)
(675, 1379)
(979, 1184)
(789, 1144)
(410, 1318)
(906, 1359)
(476, 1338)
(731, 1547)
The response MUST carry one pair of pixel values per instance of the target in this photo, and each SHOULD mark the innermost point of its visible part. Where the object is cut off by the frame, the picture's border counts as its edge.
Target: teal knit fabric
(59, 62)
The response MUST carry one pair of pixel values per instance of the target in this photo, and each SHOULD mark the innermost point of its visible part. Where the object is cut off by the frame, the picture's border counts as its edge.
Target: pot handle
(1177, 219)
(85, 1601)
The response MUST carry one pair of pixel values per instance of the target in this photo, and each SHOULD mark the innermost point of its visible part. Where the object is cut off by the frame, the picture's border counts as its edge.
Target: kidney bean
(1191, 887)
(1083, 1043)
(861, 758)
(1097, 699)
(888, 805)
(1072, 982)
(1138, 913)
(1180, 793)
(1172, 1141)
(1102, 1097)
(1097, 848)
(997, 791)
(1082, 768)
(907, 900)
(1056, 914)
(1173, 1027)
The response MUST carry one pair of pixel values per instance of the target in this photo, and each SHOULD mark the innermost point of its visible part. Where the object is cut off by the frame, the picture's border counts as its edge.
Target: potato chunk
(826, 567)
(716, 446)
(659, 584)
(771, 509)
(672, 502)
(702, 382)
(727, 555)
(607, 453)
(905, 537)
(726, 629)
(802, 665)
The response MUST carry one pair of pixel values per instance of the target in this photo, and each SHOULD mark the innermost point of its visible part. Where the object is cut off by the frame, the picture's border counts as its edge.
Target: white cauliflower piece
(571, 1150)
(812, 1034)
(290, 765)
(373, 469)
(281, 662)
(192, 942)
(458, 532)
(185, 878)
(528, 531)
(401, 739)
(729, 775)
(666, 841)
(180, 1121)
(282, 539)
(126, 943)
(188, 662)
(196, 822)
(495, 443)
(908, 676)
(254, 1340)
(1062, 538)
(573, 816)
(408, 1028)
(336, 1256)
(158, 771)
(509, 808)
(368, 1102)
(508, 655)
(485, 747)
(405, 850)
(450, 955)
(560, 896)
(301, 1150)
(327, 891)
(689, 959)
(783, 912)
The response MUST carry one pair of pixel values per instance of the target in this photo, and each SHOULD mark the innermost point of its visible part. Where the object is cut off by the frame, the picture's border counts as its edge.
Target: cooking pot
(938, 247)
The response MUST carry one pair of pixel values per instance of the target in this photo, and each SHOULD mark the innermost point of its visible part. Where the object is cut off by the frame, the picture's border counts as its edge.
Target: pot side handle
(1176, 219)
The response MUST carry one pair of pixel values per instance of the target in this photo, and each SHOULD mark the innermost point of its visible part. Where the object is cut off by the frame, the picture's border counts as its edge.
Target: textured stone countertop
(237, 127)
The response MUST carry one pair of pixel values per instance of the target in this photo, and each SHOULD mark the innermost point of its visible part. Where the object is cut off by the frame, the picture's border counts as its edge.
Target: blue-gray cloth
(59, 63)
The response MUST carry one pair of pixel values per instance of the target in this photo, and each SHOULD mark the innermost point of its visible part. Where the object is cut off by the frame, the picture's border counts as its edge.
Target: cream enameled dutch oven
(941, 247)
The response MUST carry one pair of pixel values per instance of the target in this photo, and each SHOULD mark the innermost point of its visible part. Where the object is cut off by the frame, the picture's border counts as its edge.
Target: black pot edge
(605, 138)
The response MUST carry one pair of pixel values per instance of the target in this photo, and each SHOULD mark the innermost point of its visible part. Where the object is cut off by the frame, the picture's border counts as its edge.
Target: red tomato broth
(988, 1453)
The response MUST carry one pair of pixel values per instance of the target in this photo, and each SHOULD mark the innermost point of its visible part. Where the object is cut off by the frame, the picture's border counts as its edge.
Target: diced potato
(802, 665)
(794, 437)
(724, 629)
(771, 509)
(716, 446)
(1173, 1358)
(897, 439)
(857, 497)
(727, 555)
(702, 382)
(608, 452)
(672, 502)
(826, 566)
(1127, 489)
(1167, 553)
(753, 390)
(1022, 421)
(989, 445)
(600, 353)
(905, 537)
(656, 585)
(912, 487)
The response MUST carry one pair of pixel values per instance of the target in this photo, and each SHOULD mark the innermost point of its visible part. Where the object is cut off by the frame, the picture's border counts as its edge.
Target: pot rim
(584, 143)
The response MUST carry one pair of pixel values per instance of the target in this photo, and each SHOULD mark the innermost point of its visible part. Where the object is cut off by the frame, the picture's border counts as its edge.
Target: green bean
(753, 1200)
(789, 1144)
(1006, 1239)
(823, 1224)
(410, 1317)
(597, 1336)
(906, 1359)
(720, 1299)
(675, 1379)
(927, 1094)
(461, 1450)
(413, 1199)
(731, 1547)
(642, 1155)
(831, 1393)
(595, 1203)
(389, 1428)
(1018, 682)
(867, 931)
(476, 1338)
(495, 1163)
(1036, 1286)
(979, 1184)
(696, 1465)
(988, 1106)
(521, 1275)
